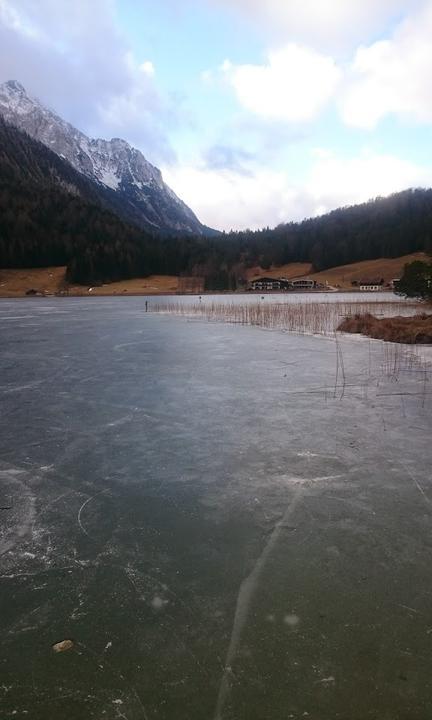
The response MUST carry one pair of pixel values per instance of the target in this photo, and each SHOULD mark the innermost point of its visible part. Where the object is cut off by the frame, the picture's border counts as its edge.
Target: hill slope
(124, 180)
(386, 227)
(386, 268)
(50, 280)
(50, 215)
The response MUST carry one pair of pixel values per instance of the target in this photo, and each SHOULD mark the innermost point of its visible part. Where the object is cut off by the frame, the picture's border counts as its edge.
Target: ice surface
(220, 530)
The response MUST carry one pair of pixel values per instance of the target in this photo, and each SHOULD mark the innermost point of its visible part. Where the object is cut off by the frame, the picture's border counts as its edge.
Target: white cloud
(329, 24)
(207, 77)
(388, 77)
(226, 199)
(338, 181)
(321, 153)
(10, 17)
(147, 68)
(293, 86)
(75, 59)
(392, 76)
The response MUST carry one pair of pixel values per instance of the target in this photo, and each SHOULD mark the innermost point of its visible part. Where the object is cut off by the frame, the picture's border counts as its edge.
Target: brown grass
(408, 330)
(52, 280)
(341, 277)
(386, 268)
(290, 271)
(152, 285)
(15, 283)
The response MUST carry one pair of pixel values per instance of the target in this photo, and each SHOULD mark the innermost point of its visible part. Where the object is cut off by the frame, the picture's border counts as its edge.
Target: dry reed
(310, 317)
(304, 317)
(408, 330)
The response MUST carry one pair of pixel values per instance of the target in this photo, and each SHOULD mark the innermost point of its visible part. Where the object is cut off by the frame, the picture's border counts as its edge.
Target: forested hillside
(122, 178)
(50, 214)
(385, 227)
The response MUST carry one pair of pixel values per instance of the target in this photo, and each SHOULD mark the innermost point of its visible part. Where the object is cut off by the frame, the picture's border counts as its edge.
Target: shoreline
(103, 291)
(52, 280)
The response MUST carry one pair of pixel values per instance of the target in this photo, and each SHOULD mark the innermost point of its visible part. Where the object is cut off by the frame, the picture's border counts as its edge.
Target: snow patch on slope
(112, 163)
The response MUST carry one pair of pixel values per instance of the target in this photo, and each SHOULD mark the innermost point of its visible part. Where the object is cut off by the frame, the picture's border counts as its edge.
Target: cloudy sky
(257, 111)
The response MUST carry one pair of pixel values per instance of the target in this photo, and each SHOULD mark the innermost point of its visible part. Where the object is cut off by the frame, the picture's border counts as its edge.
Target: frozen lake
(230, 523)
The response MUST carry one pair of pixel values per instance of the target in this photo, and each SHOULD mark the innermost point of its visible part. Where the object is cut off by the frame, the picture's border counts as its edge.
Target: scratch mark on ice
(416, 483)
(50, 504)
(86, 502)
(247, 590)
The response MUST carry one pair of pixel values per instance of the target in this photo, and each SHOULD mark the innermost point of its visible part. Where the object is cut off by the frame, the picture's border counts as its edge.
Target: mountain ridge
(50, 214)
(127, 182)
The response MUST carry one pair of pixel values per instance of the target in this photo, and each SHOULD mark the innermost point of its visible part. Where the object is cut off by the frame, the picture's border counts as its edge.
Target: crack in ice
(247, 589)
(249, 585)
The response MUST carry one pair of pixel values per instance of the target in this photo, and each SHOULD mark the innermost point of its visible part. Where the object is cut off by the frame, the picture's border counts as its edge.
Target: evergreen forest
(50, 214)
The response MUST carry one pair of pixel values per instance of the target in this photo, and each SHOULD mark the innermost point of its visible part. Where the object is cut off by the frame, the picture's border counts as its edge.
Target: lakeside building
(267, 284)
(370, 286)
(303, 284)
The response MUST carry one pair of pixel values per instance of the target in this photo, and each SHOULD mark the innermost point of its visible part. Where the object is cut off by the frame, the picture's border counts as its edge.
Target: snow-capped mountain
(129, 184)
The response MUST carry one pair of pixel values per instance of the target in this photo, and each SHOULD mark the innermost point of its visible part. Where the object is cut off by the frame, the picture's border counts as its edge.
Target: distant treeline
(51, 215)
(384, 227)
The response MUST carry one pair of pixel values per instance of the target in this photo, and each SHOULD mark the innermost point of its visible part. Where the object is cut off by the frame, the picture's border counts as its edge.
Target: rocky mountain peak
(141, 194)
(15, 86)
